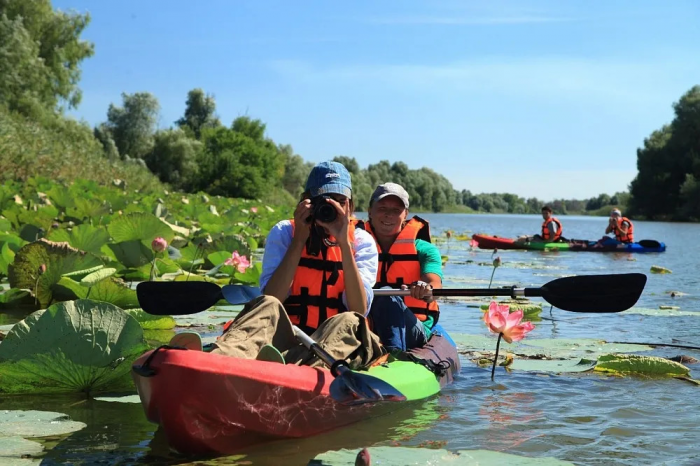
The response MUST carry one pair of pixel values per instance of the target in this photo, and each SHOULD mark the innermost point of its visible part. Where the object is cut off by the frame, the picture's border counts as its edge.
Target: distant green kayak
(495, 242)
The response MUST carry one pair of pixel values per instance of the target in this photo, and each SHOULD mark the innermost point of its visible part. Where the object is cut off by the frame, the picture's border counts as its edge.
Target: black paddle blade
(353, 388)
(593, 293)
(177, 298)
(649, 243)
(240, 294)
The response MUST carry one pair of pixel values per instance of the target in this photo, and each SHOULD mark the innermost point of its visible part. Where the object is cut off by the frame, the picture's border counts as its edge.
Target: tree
(295, 171)
(254, 129)
(199, 112)
(132, 126)
(174, 158)
(41, 52)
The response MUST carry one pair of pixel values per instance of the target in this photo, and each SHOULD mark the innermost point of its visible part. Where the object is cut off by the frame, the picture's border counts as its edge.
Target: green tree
(174, 158)
(133, 125)
(295, 171)
(199, 113)
(41, 52)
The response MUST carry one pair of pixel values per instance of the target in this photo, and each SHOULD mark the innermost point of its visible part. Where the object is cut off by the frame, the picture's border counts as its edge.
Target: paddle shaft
(512, 292)
(307, 341)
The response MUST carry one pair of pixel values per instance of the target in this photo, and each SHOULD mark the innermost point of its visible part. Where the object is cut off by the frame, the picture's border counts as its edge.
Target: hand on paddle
(420, 290)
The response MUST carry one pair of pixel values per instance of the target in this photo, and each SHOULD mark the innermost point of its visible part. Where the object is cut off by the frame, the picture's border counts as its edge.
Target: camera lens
(325, 213)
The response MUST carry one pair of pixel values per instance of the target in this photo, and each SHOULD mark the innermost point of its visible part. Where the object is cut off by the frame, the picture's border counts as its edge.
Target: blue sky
(540, 98)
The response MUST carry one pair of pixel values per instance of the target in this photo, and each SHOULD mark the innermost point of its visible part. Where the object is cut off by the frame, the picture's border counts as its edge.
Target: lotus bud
(254, 210)
(42, 269)
(497, 261)
(363, 458)
(55, 225)
(159, 244)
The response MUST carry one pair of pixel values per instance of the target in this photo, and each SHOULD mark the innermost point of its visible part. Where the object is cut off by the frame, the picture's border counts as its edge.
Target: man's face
(387, 216)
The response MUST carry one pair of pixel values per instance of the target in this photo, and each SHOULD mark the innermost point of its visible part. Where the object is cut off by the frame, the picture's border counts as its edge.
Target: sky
(544, 99)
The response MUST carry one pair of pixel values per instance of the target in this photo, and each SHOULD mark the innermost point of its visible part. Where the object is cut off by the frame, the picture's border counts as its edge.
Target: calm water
(586, 418)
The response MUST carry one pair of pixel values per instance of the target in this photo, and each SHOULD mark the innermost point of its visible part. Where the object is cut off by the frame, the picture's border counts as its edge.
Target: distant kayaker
(316, 267)
(551, 227)
(407, 259)
(620, 226)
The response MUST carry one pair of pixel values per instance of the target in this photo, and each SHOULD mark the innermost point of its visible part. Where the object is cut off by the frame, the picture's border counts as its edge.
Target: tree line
(40, 71)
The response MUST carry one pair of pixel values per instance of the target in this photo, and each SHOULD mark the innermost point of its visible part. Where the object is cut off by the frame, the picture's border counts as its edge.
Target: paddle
(583, 293)
(180, 298)
(649, 243)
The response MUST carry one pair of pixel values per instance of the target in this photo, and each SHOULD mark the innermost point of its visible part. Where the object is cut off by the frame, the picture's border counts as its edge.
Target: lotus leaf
(80, 274)
(97, 276)
(36, 424)
(85, 208)
(16, 447)
(15, 298)
(402, 456)
(30, 232)
(73, 346)
(60, 196)
(132, 254)
(84, 237)
(59, 259)
(7, 256)
(646, 365)
(152, 322)
(111, 290)
(139, 226)
(5, 224)
(120, 399)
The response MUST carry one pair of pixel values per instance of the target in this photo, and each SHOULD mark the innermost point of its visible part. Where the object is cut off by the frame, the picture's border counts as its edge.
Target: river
(584, 418)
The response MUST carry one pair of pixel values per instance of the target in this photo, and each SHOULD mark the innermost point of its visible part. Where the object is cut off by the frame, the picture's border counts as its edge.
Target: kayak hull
(495, 242)
(209, 404)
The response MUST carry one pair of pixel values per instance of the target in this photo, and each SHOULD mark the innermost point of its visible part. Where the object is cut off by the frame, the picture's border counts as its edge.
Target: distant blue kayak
(605, 245)
(645, 245)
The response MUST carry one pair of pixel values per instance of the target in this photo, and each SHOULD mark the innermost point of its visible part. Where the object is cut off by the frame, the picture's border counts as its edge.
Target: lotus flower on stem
(473, 243)
(254, 210)
(496, 264)
(239, 262)
(158, 245)
(507, 325)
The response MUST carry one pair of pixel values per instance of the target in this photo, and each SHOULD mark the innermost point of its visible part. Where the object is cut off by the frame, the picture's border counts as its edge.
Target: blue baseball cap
(329, 177)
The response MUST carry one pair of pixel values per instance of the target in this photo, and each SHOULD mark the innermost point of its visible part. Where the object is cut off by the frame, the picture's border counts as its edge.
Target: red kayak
(494, 242)
(212, 404)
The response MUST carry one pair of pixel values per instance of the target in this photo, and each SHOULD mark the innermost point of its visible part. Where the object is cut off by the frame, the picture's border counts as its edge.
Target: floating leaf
(402, 456)
(659, 269)
(30, 424)
(120, 399)
(556, 365)
(79, 274)
(59, 259)
(660, 312)
(74, 346)
(16, 447)
(632, 363)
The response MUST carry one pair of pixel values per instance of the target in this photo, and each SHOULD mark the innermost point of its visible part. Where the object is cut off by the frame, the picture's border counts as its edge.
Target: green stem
(153, 268)
(36, 291)
(495, 358)
(196, 251)
(492, 272)
(88, 293)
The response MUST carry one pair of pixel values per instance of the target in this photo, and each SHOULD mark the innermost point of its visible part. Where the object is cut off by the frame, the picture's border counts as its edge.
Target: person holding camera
(620, 226)
(407, 260)
(318, 272)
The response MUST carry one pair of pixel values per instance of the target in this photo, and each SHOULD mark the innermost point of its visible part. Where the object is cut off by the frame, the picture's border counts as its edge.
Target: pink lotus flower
(159, 244)
(473, 243)
(254, 210)
(500, 320)
(240, 262)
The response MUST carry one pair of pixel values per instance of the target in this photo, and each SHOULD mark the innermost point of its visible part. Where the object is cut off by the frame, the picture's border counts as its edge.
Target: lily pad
(112, 290)
(7, 256)
(15, 298)
(120, 399)
(73, 346)
(659, 269)
(404, 456)
(84, 237)
(15, 447)
(660, 312)
(58, 258)
(95, 277)
(205, 318)
(553, 365)
(646, 365)
(30, 424)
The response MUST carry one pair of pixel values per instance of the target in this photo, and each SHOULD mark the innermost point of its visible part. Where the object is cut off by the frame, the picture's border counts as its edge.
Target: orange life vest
(400, 265)
(545, 229)
(317, 287)
(625, 238)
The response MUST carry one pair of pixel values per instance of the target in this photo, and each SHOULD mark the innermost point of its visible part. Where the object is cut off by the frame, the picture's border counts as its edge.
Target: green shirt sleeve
(429, 258)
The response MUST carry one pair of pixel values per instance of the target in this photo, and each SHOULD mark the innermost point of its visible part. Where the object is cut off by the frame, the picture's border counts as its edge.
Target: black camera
(322, 210)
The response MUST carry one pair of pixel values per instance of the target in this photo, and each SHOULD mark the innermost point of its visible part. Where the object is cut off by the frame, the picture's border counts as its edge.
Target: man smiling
(407, 259)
